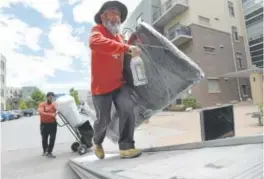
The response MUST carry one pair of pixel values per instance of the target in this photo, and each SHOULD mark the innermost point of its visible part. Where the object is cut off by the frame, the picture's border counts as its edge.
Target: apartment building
(13, 96)
(3, 82)
(253, 12)
(13, 92)
(27, 91)
(212, 33)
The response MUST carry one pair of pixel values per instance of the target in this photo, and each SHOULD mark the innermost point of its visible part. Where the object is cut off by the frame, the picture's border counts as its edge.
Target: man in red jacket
(48, 125)
(108, 86)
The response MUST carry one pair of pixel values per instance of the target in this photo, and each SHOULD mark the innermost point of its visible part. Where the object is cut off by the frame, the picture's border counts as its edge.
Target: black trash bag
(86, 132)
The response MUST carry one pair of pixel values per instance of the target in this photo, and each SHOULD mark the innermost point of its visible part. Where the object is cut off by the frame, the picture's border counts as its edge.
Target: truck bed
(236, 158)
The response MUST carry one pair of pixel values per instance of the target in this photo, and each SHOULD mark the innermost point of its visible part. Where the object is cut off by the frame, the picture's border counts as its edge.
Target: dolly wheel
(75, 146)
(82, 149)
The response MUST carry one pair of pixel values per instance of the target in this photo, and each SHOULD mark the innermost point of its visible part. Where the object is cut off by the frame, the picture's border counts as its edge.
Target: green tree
(30, 103)
(75, 95)
(36, 98)
(8, 107)
(22, 105)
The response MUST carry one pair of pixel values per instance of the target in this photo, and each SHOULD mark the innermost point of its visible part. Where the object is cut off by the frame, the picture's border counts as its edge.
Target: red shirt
(46, 112)
(107, 60)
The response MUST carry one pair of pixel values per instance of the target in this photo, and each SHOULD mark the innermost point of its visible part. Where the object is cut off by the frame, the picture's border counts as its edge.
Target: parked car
(17, 113)
(28, 112)
(6, 116)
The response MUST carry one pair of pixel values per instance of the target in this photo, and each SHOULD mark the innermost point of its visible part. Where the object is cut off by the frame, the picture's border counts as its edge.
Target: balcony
(180, 35)
(168, 11)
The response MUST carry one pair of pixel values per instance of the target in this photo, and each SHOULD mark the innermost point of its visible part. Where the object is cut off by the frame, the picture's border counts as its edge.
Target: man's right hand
(134, 51)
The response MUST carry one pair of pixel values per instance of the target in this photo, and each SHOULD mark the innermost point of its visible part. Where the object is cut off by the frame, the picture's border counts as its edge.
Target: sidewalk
(169, 128)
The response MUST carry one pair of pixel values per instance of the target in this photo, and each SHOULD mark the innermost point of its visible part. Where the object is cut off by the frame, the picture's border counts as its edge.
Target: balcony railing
(169, 10)
(179, 31)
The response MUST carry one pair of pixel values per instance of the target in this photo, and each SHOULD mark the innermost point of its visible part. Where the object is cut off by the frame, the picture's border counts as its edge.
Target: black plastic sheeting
(169, 71)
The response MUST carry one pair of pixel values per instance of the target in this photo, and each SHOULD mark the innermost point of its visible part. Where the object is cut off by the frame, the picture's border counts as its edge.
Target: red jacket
(46, 112)
(107, 60)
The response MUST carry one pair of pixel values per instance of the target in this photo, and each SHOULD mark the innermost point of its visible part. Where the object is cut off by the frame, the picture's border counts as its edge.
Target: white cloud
(63, 42)
(49, 8)
(16, 33)
(71, 2)
(85, 11)
(79, 30)
(23, 69)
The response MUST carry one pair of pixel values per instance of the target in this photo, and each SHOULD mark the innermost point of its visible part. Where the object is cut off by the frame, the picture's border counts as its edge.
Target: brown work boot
(99, 151)
(130, 153)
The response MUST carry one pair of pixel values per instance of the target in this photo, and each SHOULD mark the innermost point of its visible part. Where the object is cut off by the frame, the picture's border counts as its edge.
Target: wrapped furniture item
(77, 125)
(169, 73)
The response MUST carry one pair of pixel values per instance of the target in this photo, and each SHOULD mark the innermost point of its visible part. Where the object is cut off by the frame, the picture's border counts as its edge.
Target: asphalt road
(21, 148)
(21, 152)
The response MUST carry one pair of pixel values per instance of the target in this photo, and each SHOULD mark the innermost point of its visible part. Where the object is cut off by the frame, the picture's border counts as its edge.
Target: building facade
(253, 12)
(3, 82)
(27, 91)
(13, 96)
(13, 92)
(212, 33)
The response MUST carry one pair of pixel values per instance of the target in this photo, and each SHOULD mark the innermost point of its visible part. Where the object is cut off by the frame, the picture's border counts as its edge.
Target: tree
(8, 107)
(22, 105)
(37, 97)
(75, 95)
(30, 103)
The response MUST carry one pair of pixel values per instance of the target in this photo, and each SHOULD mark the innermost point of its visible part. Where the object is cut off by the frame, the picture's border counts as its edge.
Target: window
(256, 47)
(244, 90)
(2, 65)
(231, 9)
(139, 19)
(172, 31)
(204, 20)
(239, 60)
(256, 53)
(213, 86)
(255, 20)
(209, 49)
(235, 33)
(3, 79)
(2, 93)
(255, 41)
(257, 59)
(254, 13)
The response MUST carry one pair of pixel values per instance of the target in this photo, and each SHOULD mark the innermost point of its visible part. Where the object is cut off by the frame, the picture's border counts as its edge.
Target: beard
(49, 101)
(112, 27)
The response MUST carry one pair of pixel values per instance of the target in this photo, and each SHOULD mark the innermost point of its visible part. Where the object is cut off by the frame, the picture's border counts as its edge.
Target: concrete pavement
(21, 152)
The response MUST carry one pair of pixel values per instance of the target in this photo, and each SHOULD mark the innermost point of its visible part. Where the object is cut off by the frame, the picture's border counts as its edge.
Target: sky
(45, 42)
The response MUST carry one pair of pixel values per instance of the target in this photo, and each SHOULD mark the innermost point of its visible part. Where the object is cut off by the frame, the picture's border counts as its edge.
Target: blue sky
(46, 42)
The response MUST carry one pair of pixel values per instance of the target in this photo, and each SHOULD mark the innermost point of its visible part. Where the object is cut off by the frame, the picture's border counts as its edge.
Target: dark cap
(50, 94)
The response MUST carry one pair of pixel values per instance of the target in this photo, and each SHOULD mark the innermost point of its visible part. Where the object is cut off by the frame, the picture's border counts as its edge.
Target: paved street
(21, 152)
(21, 147)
